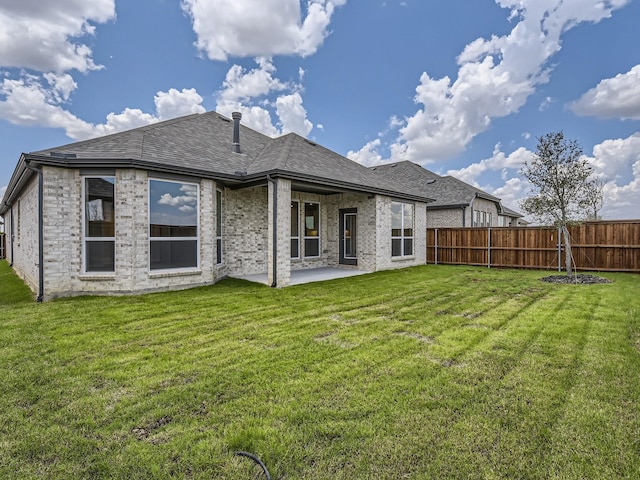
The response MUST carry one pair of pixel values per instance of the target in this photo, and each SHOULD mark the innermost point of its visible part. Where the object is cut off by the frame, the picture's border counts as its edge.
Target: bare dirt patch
(579, 279)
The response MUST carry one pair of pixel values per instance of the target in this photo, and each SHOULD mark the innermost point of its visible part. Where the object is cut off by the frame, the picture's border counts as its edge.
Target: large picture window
(401, 229)
(173, 225)
(311, 229)
(99, 224)
(295, 230)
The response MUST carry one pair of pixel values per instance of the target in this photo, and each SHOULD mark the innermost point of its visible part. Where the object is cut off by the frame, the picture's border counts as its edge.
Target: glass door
(348, 236)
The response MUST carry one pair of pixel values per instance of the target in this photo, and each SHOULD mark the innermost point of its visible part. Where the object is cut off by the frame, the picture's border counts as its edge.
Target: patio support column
(279, 235)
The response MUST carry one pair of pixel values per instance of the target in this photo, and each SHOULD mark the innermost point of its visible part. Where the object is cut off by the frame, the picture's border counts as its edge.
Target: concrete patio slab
(299, 277)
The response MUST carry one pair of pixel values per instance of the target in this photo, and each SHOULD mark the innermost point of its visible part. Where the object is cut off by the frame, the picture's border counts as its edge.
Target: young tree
(596, 199)
(561, 189)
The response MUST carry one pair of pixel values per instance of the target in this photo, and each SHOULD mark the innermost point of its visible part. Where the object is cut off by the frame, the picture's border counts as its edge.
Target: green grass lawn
(423, 373)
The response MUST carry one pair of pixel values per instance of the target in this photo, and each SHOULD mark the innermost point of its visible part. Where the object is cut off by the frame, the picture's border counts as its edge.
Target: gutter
(38, 171)
(274, 253)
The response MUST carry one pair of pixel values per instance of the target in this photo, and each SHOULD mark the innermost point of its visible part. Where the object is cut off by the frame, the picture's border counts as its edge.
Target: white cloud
(249, 28)
(367, 155)
(241, 85)
(252, 92)
(177, 201)
(546, 103)
(617, 97)
(176, 103)
(612, 157)
(293, 115)
(29, 102)
(609, 158)
(617, 161)
(499, 161)
(47, 35)
(510, 194)
(185, 203)
(495, 78)
(40, 101)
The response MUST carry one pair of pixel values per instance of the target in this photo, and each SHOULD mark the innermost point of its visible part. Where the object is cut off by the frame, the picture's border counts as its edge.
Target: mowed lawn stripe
(429, 372)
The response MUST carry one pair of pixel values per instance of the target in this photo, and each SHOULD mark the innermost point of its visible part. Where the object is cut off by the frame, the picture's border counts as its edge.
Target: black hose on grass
(255, 459)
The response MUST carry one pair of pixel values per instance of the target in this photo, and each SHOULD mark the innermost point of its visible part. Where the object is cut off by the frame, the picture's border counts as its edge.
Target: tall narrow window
(173, 225)
(218, 227)
(99, 224)
(295, 230)
(401, 229)
(311, 229)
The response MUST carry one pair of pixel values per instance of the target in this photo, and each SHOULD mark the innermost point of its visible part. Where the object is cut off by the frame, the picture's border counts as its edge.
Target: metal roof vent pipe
(236, 116)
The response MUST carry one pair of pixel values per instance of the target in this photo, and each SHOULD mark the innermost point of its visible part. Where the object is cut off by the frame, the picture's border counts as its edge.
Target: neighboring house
(192, 200)
(511, 218)
(457, 204)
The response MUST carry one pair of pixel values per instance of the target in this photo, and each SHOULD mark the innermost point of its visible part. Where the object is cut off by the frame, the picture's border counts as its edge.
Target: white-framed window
(476, 218)
(489, 219)
(295, 229)
(219, 257)
(173, 225)
(401, 229)
(484, 219)
(311, 229)
(98, 227)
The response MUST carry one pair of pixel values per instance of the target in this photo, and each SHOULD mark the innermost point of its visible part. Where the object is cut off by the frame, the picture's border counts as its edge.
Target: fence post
(489, 247)
(436, 246)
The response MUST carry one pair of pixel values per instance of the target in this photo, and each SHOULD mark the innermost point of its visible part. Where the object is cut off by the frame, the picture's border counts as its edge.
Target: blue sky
(463, 87)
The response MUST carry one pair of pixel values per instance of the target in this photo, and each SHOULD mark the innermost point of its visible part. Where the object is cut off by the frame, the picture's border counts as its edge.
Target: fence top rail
(542, 227)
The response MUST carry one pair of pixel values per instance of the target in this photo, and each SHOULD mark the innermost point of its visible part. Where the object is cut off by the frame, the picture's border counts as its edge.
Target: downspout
(464, 212)
(274, 253)
(13, 233)
(40, 296)
(471, 204)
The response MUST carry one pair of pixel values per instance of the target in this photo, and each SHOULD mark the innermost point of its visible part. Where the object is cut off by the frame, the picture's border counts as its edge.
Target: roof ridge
(125, 133)
(423, 169)
(290, 137)
(476, 189)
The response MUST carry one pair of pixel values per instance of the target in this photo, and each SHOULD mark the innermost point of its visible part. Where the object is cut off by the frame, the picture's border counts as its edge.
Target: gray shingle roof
(195, 142)
(201, 144)
(507, 212)
(447, 191)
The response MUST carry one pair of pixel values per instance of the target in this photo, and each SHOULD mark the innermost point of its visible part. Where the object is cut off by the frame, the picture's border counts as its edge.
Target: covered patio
(299, 277)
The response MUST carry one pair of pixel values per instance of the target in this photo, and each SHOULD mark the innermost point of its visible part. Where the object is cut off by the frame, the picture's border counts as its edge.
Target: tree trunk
(568, 256)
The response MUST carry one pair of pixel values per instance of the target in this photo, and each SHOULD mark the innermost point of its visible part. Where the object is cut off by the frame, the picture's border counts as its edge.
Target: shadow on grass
(12, 289)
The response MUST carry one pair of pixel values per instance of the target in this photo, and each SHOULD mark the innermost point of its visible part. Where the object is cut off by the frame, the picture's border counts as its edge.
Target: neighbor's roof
(201, 145)
(511, 213)
(448, 192)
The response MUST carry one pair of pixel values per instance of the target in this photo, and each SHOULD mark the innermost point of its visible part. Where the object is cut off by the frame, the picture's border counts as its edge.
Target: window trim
(296, 237)
(402, 237)
(196, 267)
(219, 219)
(317, 237)
(85, 238)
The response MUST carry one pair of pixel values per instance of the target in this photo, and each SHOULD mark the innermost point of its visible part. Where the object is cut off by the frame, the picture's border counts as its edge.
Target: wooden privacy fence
(612, 246)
